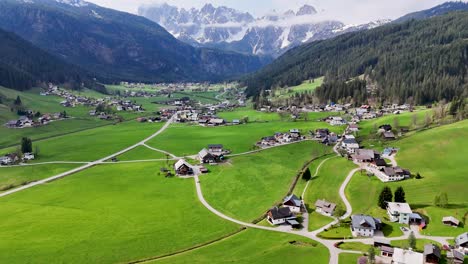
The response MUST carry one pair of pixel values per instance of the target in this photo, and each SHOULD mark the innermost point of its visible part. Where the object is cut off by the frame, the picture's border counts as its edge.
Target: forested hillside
(22, 65)
(115, 45)
(424, 60)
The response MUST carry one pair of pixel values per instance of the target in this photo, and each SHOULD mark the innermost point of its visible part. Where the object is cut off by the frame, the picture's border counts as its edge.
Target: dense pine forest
(23, 66)
(424, 61)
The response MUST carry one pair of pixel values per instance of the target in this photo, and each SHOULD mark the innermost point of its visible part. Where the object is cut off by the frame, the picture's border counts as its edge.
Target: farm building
(364, 225)
(278, 216)
(182, 168)
(324, 207)
(295, 204)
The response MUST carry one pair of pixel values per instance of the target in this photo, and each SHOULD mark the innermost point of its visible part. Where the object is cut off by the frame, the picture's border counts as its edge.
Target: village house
(450, 221)
(407, 256)
(295, 204)
(455, 256)
(353, 128)
(399, 212)
(386, 127)
(378, 163)
(386, 251)
(388, 135)
(461, 242)
(324, 207)
(322, 133)
(216, 148)
(216, 122)
(364, 225)
(350, 144)
(28, 156)
(182, 168)
(206, 157)
(278, 216)
(395, 174)
(365, 155)
(432, 254)
(332, 138)
(337, 121)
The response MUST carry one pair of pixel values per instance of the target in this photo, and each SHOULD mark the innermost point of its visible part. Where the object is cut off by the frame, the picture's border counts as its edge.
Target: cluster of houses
(213, 154)
(13, 158)
(278, 138)
(325, 136)
(376, 165)
(29, 121)
(287, 213)
(336, 121)
(72, 100)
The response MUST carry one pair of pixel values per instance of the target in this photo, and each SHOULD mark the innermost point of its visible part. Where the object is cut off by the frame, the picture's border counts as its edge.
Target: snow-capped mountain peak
(227, 28)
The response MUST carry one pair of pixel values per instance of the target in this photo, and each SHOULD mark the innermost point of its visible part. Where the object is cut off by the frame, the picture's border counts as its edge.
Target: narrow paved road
(88, 165)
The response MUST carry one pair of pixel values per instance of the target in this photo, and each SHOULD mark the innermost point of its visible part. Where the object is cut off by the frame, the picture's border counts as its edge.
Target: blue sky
(348, 11)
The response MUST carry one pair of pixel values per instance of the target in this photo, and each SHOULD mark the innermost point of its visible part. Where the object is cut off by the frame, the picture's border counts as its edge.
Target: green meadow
(186, 140)
(247, 186)
(256, 246)
(93, 144)
(11, 177)
(108, 214)
(348, 258)
(438, 155)
(141, 153)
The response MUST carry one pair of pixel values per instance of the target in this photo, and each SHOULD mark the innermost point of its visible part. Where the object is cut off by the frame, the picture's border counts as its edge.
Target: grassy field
(328, 181)
(256, 246)
(186, 140)
(93, 144)
(317, 221)
(11, 177)
(357, 246)
(348, 258)
(142, 153)
(338, 232)
(108, 214)
(249, 185)
(419, 244)
(306, 86)
(438, 155)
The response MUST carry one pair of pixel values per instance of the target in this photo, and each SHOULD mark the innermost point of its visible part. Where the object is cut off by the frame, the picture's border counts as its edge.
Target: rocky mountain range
(117, 46)
(230, 29)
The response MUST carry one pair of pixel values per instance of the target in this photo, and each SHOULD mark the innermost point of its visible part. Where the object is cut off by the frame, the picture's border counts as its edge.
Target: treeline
(23, 66)
(424, 60)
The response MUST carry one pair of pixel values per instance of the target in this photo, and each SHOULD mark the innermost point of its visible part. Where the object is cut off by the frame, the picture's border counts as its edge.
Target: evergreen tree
(400, 195)
(371, 255)
(26, 145)
(412, 241)
(307, 175)
(384, 197)
(18, 101)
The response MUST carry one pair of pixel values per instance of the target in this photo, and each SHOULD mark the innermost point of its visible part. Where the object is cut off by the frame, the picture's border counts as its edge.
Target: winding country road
(89, 164)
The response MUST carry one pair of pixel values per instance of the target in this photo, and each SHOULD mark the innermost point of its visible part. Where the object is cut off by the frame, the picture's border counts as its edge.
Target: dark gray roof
(430, 249)
(461, 239)
(365, 221)
(293, 198)
(279, 213)
(215, 146)
(349, 141)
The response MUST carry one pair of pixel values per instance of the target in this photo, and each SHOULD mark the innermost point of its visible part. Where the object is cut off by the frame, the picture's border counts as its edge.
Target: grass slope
(439, 154)
(256, 246)
(249, 185)
(15, 176)
(185, 140)
(93, 144)
(107, 214)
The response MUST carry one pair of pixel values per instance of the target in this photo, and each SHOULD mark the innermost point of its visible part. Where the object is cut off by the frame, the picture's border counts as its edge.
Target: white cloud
(348, 11)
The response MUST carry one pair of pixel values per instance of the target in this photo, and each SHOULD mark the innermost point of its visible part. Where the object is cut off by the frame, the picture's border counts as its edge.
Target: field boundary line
(196, 247)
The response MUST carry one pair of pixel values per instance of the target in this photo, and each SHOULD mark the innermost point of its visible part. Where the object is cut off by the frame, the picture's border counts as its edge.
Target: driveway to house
(90, 164)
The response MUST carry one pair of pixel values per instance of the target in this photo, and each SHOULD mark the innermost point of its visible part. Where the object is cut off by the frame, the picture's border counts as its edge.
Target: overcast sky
(348, 11)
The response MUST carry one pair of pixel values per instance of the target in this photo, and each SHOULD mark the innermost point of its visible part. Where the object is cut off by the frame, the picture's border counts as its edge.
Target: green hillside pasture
(439, 155)
(247, 186)
(93, 144)
(256, 246)
(306, 86)
(108, 214)
(186, 140)
(328, 181)
(11, 177)
(258, 116)
(141, 153)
